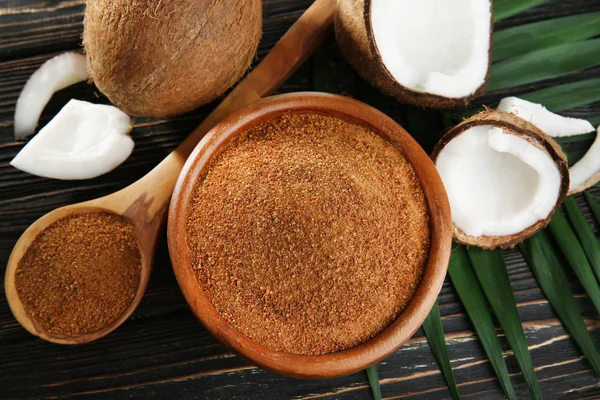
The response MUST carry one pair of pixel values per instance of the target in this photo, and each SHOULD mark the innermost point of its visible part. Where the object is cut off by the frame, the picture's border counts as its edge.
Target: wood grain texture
(162, 351)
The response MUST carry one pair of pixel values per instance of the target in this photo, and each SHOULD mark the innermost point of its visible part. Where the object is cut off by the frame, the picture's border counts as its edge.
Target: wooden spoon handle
(285, 57)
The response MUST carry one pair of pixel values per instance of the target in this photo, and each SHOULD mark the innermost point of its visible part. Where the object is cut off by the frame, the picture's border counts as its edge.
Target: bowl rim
(403, 327)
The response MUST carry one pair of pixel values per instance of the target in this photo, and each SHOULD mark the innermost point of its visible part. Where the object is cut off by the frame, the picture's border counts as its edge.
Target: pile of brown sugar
(308, 233)
(80, 274)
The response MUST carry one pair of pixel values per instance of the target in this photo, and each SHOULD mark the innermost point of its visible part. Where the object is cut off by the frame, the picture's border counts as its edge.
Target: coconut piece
(82, 141)
(504, 178)
(55, 74)
(586, 172)
(552, 124)
(162, 58)
(433, 53)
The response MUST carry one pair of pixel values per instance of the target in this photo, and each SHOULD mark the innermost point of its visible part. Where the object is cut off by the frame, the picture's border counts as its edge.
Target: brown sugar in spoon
(145, 202)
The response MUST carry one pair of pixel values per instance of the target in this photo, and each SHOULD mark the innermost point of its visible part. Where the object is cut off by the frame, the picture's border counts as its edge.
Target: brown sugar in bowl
(384, 343)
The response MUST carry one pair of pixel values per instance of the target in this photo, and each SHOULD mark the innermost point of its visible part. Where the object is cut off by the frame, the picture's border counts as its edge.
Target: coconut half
(552, 124)
(504, 178)
(433, 53)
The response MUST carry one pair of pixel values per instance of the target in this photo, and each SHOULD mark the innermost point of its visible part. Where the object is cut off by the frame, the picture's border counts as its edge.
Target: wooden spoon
(145, 202)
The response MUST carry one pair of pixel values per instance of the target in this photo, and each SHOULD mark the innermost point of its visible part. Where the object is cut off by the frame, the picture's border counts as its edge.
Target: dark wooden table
(163, 351)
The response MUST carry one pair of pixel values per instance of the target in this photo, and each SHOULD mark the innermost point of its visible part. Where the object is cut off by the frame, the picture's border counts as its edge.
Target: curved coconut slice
(550, 123)
(82, 141)
(586, 172)
(55, 74)
(433, 53)
(504, 179)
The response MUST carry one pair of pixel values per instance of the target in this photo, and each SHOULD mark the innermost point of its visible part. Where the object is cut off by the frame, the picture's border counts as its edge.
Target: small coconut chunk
(550, 123)
(55, 74)
(438, 47)
(82, 141)
(586, 172)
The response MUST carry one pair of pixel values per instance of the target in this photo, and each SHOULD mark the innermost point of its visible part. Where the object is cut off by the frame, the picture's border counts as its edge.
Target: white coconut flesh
(587, 168)
(82, 141)
(498, 183)
(55, 74)
(439, 47)
(550, 123)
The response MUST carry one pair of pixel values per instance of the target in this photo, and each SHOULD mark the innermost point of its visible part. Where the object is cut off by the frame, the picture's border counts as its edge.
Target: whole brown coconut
(159, 58)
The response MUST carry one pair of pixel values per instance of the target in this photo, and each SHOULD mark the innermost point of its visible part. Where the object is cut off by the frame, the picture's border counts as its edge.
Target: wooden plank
(196, 360)
(26, 27)
(162, 351)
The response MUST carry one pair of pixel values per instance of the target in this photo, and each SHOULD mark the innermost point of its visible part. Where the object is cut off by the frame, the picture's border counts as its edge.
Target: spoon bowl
(146, 232)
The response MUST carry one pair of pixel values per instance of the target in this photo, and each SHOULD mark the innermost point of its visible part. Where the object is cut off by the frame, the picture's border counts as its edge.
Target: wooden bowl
(406, 324)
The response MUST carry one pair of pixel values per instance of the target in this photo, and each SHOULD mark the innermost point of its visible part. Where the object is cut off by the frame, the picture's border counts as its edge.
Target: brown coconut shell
(354, 34)
(160, 58)
(509, 123)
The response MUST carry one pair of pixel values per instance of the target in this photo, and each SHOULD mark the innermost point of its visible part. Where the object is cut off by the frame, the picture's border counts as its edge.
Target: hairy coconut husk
(512, 124)
(355, 37)
(159, 58)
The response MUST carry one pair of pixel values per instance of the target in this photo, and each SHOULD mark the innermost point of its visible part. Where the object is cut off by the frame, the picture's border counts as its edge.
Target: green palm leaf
(544, 64)
(507, 8)
(493, 277)
(594, 205)
(594, 120)
(434, 331)
(472, 297)
(545, 264)
(574, 254)
(539, 35)
(577, 138)
(568, 95)
(575, 155)
(373, 376)
(583, 230)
